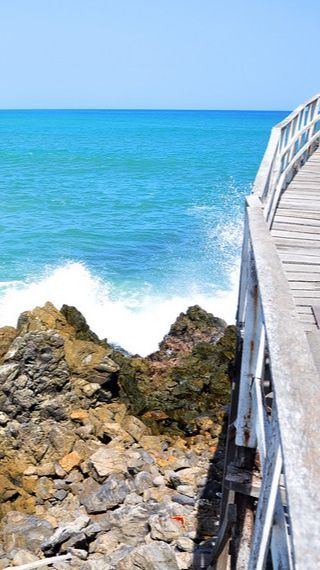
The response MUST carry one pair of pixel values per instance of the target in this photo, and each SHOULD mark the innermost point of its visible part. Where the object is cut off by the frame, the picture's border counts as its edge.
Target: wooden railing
(272, 471)
(290, 144)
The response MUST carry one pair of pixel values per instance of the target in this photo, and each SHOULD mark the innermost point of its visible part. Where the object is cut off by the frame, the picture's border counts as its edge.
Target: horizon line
(141, 109)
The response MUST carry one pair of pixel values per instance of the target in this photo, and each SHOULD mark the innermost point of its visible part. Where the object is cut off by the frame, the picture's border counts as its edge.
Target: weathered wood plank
(304, 310)
(307, 319)
(284, 334)
(303, 277)
(306, 300)
(295, 204)
(300, 231)
(305, 294)
(292, 227)
(298, 267)
(295, 245)
(299, 257)
(296, 213)
(304, 285)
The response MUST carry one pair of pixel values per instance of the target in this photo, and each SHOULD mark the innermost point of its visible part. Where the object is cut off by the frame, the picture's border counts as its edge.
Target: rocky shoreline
(104, 455)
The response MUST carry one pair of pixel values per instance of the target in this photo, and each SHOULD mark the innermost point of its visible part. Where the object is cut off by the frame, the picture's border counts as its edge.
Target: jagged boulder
(186, 379)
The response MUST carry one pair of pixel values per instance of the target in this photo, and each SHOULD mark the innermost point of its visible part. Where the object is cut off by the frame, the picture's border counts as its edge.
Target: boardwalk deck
(296, 233)
(274, 412)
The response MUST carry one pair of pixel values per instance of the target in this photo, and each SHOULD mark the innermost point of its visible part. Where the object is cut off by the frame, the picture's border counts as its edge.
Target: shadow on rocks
(208, 514)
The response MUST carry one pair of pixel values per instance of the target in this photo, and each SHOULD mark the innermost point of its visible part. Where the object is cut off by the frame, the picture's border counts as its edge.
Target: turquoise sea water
(129, 215)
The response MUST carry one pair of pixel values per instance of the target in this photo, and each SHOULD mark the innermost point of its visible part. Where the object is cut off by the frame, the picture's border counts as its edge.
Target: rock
(109, 460)
(99, 498)
(34, 374)
(185, 560)
(44, 319)
(79, 324)
(25, 531)
(3, 419)
(158, 494)
(63, 533)
(100, 523)
(69, 461)
(159, 481)
(61, 438)
(186, 490)
(7, 336)
(151, 443)
(186, 378)
(113, 430)
(105, 543)
(46, 470)
(183, 499)
(163, 527)
(23, 557)
(157, 556)
(135, 427)
(190, 475)
(185, 544)
(78, 553)
(143, 481)
(79, 415)
(132, 522)
(89, 361)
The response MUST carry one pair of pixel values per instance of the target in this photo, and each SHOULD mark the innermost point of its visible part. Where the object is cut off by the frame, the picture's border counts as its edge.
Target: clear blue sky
(200, 54)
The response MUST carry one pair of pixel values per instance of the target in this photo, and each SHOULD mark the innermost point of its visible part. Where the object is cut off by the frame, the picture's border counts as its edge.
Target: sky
(159, 54)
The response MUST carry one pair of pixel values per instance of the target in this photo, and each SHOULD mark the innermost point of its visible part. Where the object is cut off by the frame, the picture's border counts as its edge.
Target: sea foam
(136, 322)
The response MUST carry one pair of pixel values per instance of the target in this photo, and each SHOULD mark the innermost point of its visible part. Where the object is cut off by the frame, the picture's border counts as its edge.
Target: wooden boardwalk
(296, 232)
(270, 514)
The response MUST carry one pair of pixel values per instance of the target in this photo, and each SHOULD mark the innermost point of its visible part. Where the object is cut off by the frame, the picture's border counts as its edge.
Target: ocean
(131, 216)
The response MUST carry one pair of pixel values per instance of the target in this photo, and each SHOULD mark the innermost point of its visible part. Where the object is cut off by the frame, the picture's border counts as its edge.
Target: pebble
(183, 500)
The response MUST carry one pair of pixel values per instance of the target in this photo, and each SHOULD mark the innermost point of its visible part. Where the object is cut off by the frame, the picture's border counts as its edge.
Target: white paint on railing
(268, 321)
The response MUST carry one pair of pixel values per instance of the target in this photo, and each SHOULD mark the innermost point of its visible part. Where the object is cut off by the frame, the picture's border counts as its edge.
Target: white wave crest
(135, 322)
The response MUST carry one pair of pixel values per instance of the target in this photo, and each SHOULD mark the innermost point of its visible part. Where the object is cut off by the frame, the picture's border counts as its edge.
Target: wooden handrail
(285, 150)
(276, 418)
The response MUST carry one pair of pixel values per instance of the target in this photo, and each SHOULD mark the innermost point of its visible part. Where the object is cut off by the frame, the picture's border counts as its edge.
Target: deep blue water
(131, 215)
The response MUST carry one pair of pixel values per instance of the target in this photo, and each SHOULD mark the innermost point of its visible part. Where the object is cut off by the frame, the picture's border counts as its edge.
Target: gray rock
(186, 490)
(185, 544)
(100, 523)
(25, 531)
(183, 500)
(63, 533)
(99, 498)
(143, 481)
(132, 522)
(109, 460)
(163, 527)
(105, 543)
(156, 556)
(159, 481)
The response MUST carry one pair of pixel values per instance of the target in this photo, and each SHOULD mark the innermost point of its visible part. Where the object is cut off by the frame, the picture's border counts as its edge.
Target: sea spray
(137, 321)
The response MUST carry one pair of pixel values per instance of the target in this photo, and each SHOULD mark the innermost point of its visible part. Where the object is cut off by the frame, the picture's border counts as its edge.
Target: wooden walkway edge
(275, 409)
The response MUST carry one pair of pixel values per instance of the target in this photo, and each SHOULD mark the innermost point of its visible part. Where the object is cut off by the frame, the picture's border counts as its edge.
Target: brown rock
(69, 461)
(79, 415)
(7, 335)
(151, 443)
(44, 318)
(89, 361)
(29, 484)
(135, 427)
